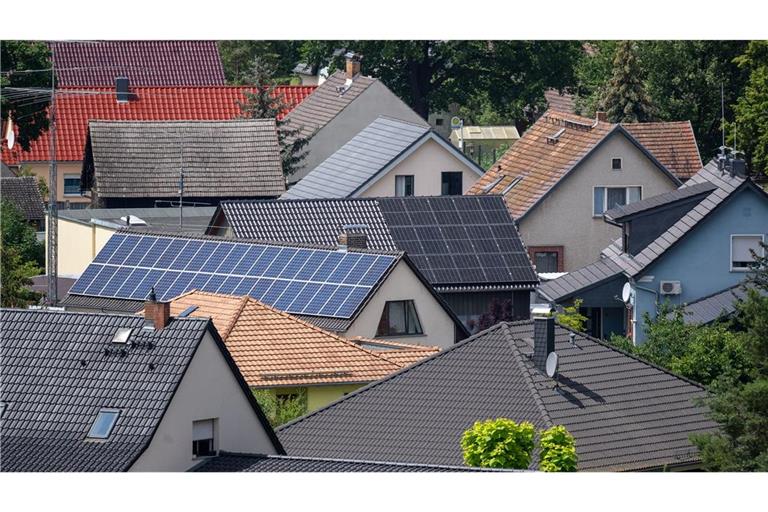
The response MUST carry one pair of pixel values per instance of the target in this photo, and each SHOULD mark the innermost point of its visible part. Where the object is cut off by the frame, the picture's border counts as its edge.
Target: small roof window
(122, 335)
(104, 423)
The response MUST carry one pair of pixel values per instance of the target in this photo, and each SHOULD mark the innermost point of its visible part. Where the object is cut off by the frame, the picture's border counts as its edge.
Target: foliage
(571, 318)
(19, 255)
(557, 450)
(500, 310)
(626, 99)
(266, 103)
(499, 443)
(621, 343)
(280, 410)
(752, 106)
(28, 114)
(592, 72)
(237, 58)
(17, 233)
(42, 185)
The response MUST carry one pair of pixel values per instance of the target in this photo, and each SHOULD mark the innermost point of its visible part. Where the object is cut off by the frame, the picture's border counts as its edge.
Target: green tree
(42, 185)
(280, 410)
(17, 233)
(264, 103)
(571, 318)
(19, 256)
(29, 113)
(752, 107)
(626, 99)
(499, 443)
(237, 58)
(557, 450)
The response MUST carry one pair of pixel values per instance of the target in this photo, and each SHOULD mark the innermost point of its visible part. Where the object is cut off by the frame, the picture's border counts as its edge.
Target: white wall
(207, 390)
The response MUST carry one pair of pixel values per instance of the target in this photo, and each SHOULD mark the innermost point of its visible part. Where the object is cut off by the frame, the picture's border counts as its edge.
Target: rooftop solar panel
(320, 282)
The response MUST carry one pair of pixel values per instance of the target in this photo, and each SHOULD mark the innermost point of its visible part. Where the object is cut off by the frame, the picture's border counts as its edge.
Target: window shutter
(202, 430)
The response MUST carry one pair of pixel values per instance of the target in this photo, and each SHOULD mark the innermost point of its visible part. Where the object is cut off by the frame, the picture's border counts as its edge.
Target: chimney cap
(152, 297)
(350, 55)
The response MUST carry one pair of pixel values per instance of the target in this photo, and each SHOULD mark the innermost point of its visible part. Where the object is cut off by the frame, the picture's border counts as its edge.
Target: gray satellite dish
(626, 293)
(552, 364)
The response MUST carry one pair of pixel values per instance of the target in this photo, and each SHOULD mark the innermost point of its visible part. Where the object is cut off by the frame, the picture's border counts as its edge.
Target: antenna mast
(53, 211)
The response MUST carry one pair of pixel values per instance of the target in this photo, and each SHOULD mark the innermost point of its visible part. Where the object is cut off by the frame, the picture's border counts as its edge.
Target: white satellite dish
(10, 134)
(456, 123)
(626, 293)
(552, 364)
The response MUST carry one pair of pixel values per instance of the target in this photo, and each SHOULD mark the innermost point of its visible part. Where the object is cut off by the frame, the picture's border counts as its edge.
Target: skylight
(104, 423)
(122, 334)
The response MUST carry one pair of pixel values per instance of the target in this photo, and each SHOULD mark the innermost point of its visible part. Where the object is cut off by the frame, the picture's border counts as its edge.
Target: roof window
(104, 423)
(122, 335)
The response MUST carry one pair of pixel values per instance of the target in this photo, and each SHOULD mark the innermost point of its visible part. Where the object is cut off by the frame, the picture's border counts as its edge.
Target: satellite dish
(10, 134)
(552, 364)
(626, 293)
(456, 123)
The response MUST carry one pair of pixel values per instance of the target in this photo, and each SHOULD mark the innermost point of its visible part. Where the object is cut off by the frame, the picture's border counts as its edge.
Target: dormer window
(104, 423)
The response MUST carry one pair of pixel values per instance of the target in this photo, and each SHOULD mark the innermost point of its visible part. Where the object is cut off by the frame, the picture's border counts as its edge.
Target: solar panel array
(297, 280)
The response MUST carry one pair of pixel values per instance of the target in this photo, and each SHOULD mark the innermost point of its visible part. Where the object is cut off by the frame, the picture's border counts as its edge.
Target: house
(624, 413)
(121, 393)
(144, 63)
(24, 193)
(141, 164)
(386, 159)
(74, 111)
(83, 232)
(477, 141)
(340, 108)
(686, 247)
(290, 357)
(351, 292)
(566, 170)
(467, 247)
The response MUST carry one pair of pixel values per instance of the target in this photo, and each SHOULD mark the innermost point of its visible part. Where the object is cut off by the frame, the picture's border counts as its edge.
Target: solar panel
(297, 280)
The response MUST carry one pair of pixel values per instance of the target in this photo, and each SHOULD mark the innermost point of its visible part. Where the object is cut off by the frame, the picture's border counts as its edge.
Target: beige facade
(63, 169)
(208, 390)
(426, 164)
(401, 284)
(78, 244)
(565, 217)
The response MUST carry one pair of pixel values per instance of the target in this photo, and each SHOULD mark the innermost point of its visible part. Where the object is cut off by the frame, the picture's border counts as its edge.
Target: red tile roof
(672, 143)
(150, 104)
(562, 102)
(145, 63)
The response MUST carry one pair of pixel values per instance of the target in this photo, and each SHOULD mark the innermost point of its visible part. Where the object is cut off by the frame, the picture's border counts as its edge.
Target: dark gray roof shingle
(196, 219)
(685, 192)
(235, 158)
(24, 194)
(717, 306)
(624, 413)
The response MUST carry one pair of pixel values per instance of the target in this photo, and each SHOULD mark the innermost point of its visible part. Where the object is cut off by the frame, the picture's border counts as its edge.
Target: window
(451, 184)
(741, 247)
(399, 318)
(545, 261)
(403, 185)
(606, 198)
(616, 164)
(104, 423)
(202, 438)
(438, 121)
(71, 184)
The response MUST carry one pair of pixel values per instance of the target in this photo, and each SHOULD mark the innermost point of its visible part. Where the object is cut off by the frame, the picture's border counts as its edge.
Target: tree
(593, 72)
(264, 103)
(237, 58)
(752, 107)
(571, 318)
(499, 443)
(17, 233)
(280, 410)
(557, 450)
(626, 100)
(19, 255)
(499, 310)
(29, 113)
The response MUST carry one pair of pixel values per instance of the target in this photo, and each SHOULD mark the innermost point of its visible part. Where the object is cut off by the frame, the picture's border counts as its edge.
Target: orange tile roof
(402, 353)
(540, 164)
(275, 349)
(562, 102)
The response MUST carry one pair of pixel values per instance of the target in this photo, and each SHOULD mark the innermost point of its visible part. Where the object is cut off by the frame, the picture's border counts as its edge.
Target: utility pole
(181, 190)
(53, 211)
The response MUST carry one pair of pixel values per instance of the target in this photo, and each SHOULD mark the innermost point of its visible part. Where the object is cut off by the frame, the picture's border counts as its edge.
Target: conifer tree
(626, 100)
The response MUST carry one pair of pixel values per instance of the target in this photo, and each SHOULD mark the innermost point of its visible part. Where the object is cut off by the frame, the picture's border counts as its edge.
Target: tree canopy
(626, 100)
(21, 257)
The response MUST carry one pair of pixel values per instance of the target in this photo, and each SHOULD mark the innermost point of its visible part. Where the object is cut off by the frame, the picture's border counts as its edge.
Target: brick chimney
(543, 340)
(353, 64)
(156, 314)
(601, 116)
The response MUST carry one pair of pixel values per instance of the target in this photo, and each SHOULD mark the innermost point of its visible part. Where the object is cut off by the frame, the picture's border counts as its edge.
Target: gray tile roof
(235, 158)
(559, 289)
(359, 161)
(685, 192)
(713, 307)
(466, 241)
(625, 414)
(56, 375)
(197, 219)
(103, 304)
(24, 193)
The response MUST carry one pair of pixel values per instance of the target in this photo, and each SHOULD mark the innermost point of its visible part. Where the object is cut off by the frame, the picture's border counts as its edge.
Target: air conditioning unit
(671, 288)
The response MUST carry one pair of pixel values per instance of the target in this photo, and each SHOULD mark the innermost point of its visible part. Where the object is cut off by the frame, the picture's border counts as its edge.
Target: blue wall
(701, 261)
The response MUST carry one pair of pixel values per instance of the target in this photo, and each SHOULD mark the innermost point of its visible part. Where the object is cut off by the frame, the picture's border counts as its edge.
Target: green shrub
(571, 318)
(279, 410)
(499, 443)
(557, 450)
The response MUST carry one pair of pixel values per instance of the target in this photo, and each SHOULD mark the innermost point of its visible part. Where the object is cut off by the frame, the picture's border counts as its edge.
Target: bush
(499, 443)
(557, 450)
(571, 318)
(278, 410)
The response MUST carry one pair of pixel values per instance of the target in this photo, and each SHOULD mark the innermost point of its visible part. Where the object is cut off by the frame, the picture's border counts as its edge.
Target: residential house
(390, 158)
(481, 143)
(566, 170)
(95, 392)
(74, 111)
(290, 357)
(144, 63)
(23, 193)
(624, 413)
(258, 463)
(83, 232)
(682, 247)
(467, 247)
(340, 108)
(142, 164)
(352, 292)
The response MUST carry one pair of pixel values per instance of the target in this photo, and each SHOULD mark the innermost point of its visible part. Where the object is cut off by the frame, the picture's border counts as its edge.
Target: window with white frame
(403, 185)
(203, 440)
(742, 247)
(606, 198)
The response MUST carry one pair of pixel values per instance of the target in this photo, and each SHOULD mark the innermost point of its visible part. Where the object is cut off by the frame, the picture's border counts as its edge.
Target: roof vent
(121, 88)
(122, 335)
(552, 139)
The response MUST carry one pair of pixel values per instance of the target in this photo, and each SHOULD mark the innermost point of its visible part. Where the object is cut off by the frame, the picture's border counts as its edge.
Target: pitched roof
(455, 241)
(196, 219)
(717, 306)
(73, 111)
(60, 368)
(469, 133)
(145, 63)
(24, 194)
(235, 158)
(275, 349)
(562, 102)
(402, 353)
(623, 211)
(624, 413)
(673, 143)
(586, 277)
(535, 164)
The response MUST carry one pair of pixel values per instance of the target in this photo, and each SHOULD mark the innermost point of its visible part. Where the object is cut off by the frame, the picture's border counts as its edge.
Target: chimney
(353, 64)
(601, 116)
(342, 240)
(156, 314)
(357, 240)
(543, 340)
(121, 88)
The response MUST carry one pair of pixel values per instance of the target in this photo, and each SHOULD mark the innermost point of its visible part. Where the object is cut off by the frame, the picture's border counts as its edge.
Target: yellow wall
(78, 245)
(319, 396)
(41, 169)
